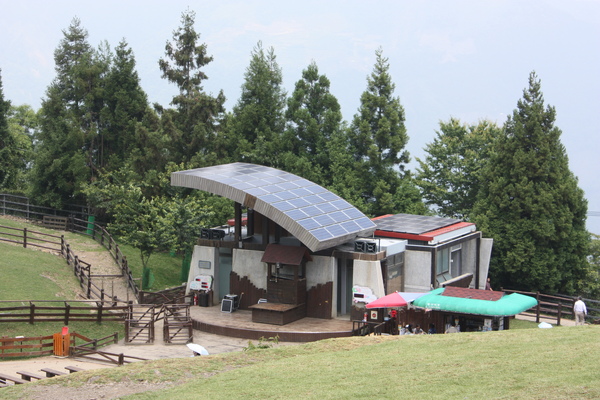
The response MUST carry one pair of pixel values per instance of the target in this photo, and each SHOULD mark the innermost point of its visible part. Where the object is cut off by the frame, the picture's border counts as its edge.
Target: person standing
(580, 311)
(488, 285)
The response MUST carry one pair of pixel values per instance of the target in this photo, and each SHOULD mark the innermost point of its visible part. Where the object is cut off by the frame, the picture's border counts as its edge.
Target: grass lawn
(30, 274)
(515, 364)
(166, 268)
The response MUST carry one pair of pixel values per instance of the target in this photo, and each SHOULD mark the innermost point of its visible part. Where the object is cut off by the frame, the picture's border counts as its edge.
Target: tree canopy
(530, 202)
(450, 174)
(96, 141)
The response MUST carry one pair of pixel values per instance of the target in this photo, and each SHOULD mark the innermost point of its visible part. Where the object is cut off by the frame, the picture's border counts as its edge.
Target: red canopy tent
(396, 299)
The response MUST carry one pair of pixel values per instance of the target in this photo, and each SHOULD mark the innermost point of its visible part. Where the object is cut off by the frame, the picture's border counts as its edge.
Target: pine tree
(313, 116)
(126, 107)
(378, 138)
(530, 203)
(7, 145)
(70, 122)
(257, 122)
(198, 113)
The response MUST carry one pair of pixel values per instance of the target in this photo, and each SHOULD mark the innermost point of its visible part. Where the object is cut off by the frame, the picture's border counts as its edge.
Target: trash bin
(90, 225)
(203, 299)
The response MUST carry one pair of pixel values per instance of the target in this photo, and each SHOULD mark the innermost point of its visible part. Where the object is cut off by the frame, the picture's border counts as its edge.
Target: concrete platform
(238, 324)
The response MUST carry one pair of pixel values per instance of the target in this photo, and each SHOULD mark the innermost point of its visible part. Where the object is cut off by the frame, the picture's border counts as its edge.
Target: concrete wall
(417, 271)
(485, 252)
(320, 270)
(202, 253)
(247, 263)
(469, 259)
(368, 274)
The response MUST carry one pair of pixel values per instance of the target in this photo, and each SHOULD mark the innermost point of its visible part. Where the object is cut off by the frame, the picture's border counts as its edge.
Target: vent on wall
(363, 246)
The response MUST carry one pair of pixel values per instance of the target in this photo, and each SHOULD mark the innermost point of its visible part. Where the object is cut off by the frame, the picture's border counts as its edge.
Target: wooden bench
(6, 378)
(72, 369)
(52, 372)
(29, 375)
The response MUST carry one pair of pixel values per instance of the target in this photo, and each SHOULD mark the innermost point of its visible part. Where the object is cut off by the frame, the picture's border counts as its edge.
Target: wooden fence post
(121, 359)
(89, 287)
(67, 312)
(25, 237)
(559, 313)
(31, 313)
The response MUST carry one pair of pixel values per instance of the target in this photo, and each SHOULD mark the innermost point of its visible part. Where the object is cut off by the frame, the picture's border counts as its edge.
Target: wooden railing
(175, 295)
(44, 345)
(102, 236)
(364, 328)
(21, 206)
(557, 307)
(27, 237)
(81, 269)
(26, 346)
(40, 311)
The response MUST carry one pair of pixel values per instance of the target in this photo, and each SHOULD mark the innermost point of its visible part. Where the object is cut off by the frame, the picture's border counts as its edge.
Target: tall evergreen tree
(257, 122)
(198, 113)
(7, 145)
(22, 125)
(449, 177)
(530, 203)
(67, 143)
(378, 138)
(126, 107)
(313, 116)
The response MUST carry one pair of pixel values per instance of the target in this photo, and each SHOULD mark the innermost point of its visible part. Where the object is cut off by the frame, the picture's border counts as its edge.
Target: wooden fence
(558, 306)
(21, 206)
(43, 311)
(81, 269)
(45, 345)
(77, 219)
(26, 346)
(27, 237)
(175, 295)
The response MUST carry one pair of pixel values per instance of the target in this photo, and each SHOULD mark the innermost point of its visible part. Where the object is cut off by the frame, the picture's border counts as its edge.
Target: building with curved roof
(319, 218)
(295, 249)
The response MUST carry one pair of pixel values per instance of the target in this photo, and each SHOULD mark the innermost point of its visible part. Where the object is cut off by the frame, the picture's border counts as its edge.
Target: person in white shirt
(580, 311)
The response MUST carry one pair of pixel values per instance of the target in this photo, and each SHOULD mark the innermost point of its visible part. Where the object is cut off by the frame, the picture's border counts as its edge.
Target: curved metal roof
(317, 217)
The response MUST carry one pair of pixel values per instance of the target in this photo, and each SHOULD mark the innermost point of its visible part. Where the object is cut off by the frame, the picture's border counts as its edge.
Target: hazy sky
(464, 59)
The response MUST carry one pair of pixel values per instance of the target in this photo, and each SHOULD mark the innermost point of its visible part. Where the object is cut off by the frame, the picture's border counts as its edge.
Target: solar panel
(413, 224)
(316, 216)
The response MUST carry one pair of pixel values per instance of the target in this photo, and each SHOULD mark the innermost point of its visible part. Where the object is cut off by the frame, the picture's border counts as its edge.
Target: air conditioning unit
(364, 246)
(205, 233)
(213, 234)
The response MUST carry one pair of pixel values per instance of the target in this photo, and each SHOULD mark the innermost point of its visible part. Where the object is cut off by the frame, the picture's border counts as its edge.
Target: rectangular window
(394, 273)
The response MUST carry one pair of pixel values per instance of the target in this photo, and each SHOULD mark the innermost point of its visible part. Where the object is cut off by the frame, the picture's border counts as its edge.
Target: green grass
(30, 274)
(514, 364)
(166, 268)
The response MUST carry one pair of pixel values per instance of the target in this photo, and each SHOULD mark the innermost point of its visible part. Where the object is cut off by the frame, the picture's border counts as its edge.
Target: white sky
(465, 59)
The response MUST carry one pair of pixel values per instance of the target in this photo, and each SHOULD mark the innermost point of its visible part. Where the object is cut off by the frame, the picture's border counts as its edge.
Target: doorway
(344, 286)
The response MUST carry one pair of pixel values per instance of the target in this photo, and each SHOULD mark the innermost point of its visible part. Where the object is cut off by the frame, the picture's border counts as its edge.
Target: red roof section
(467, 293)
(288, 255)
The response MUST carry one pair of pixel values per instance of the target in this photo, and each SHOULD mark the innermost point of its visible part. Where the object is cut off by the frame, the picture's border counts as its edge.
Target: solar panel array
(413, 224)
(317, 217)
